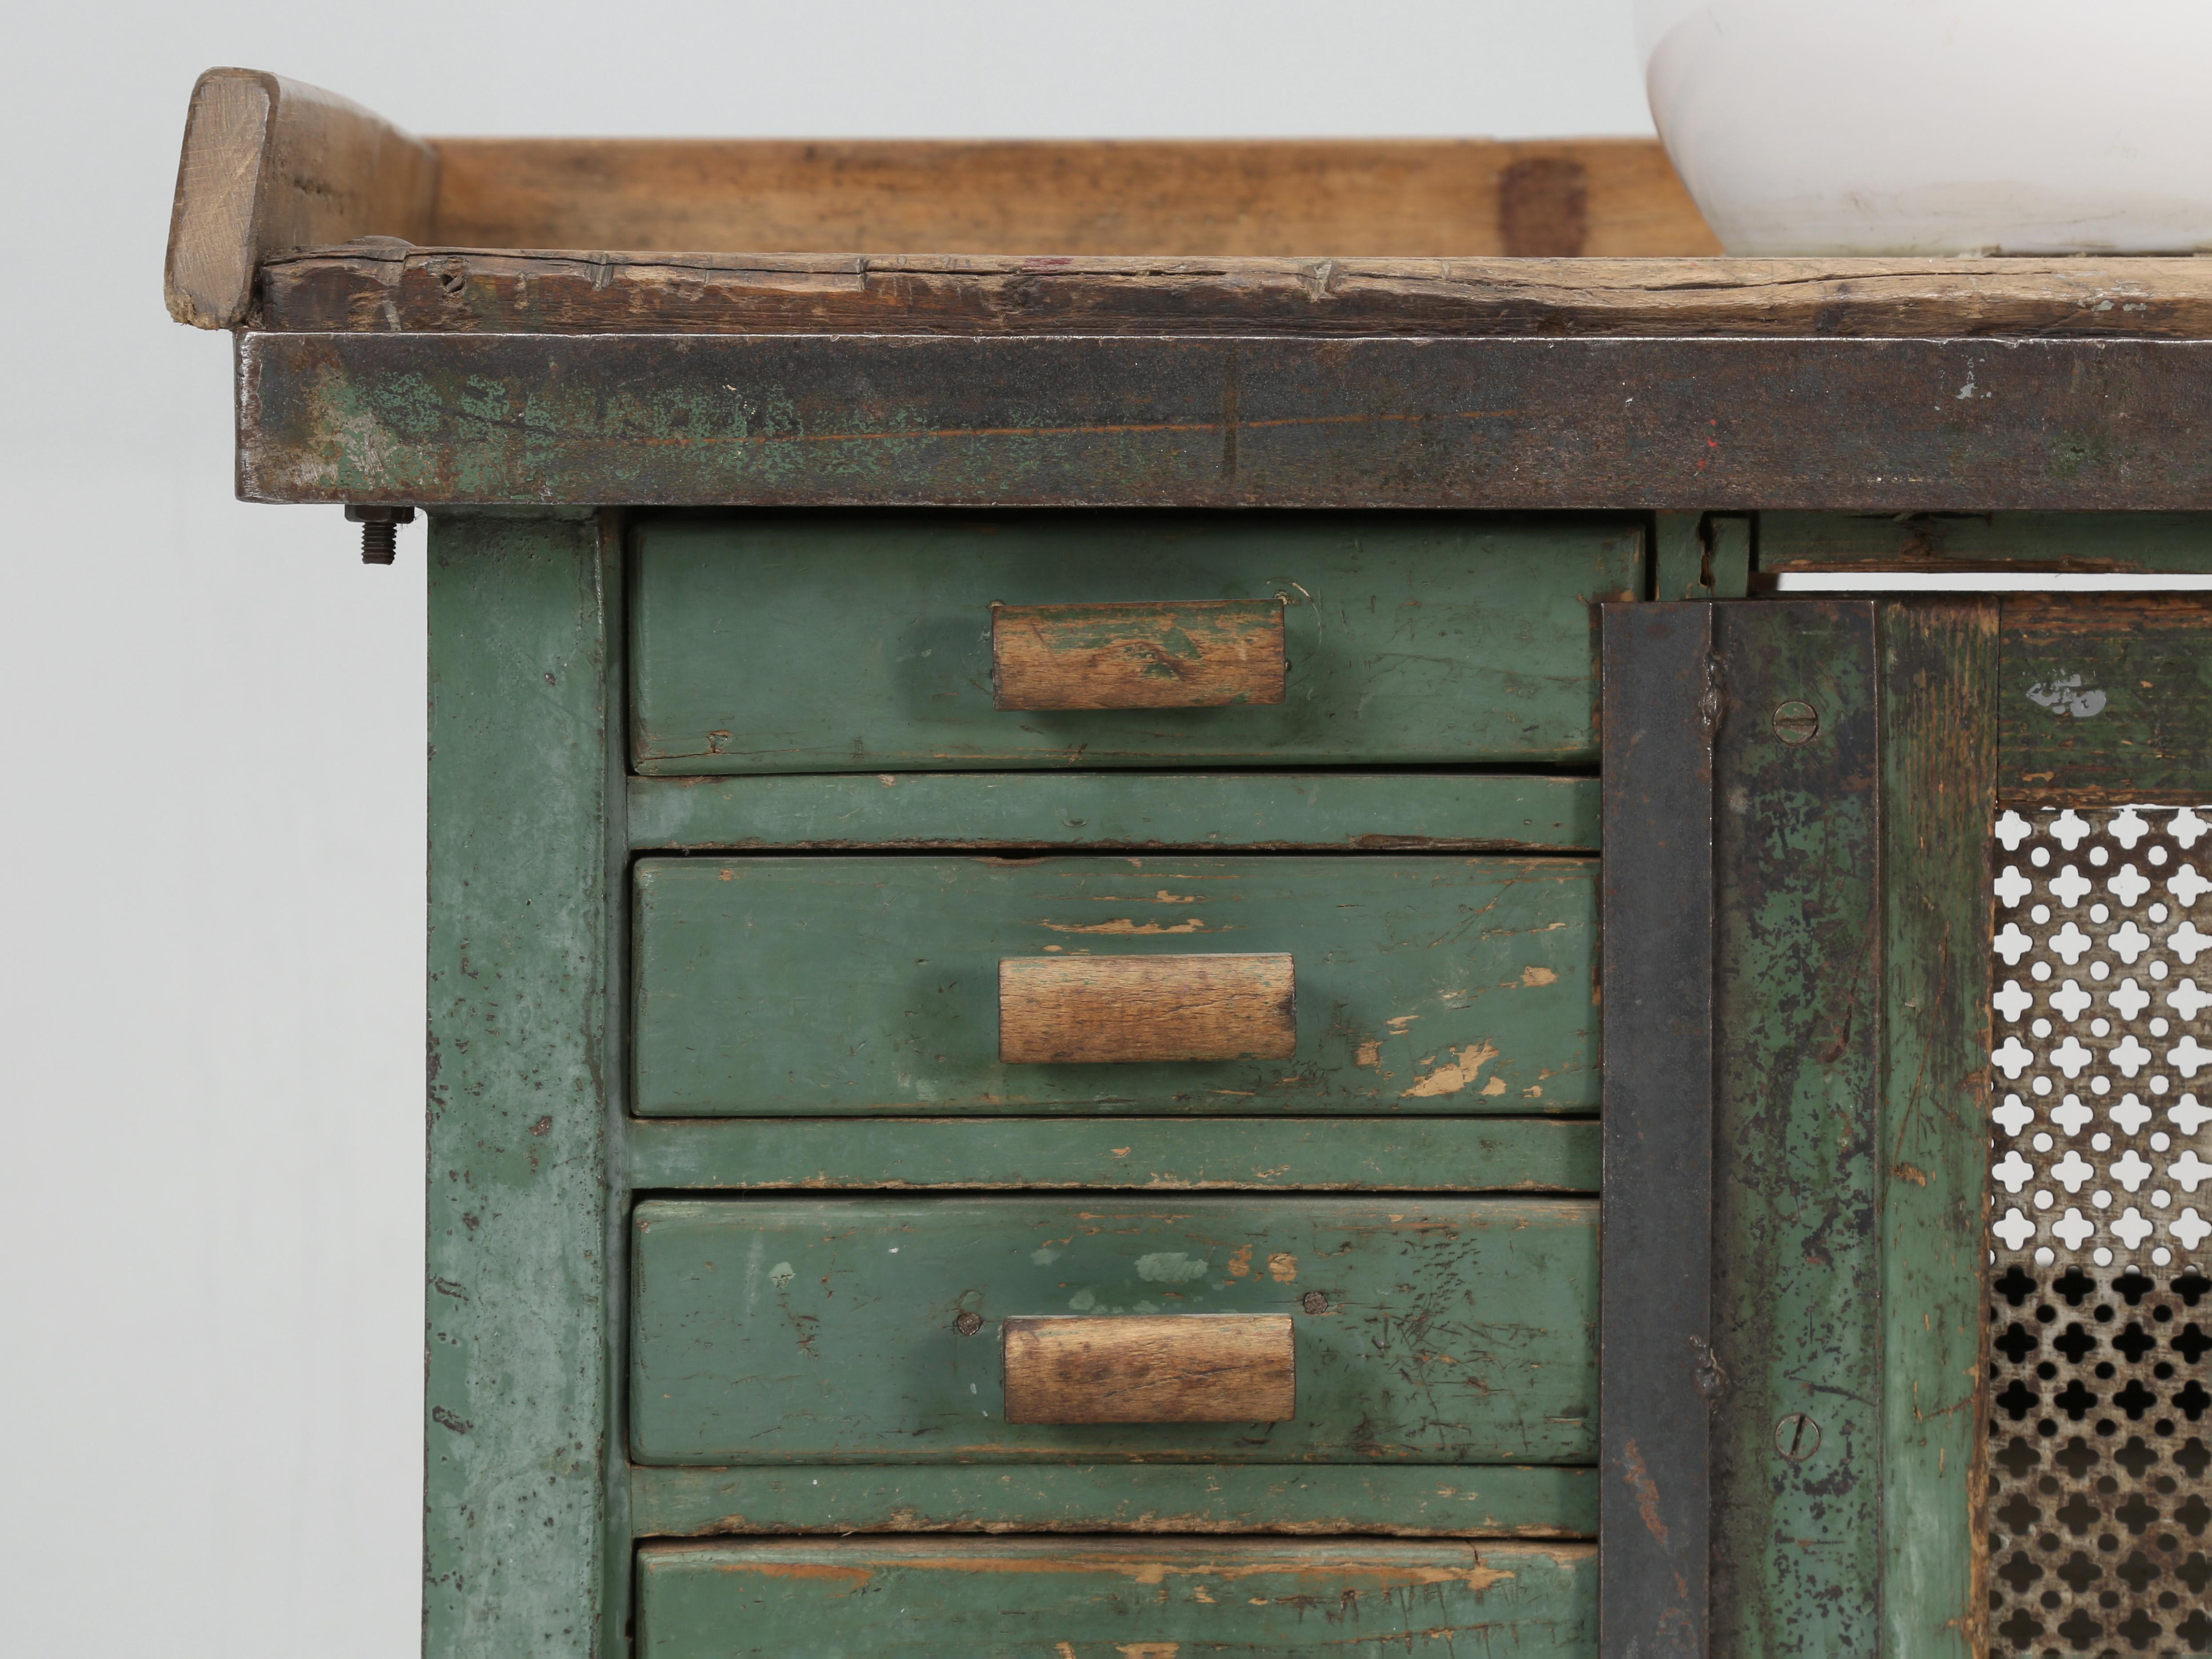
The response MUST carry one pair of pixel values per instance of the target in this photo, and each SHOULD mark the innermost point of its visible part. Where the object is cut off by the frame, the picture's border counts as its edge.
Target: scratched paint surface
(1114, 1599)
(767, 986)
(2105, 698)
(770, 1330)
(1796, 1540)
(825, 642)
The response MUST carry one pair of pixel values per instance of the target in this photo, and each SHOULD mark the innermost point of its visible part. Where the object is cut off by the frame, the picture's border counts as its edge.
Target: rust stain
(1904, 1171)
(802, 1570)
(1646, 1489)
(1124, 925)
(1454, 1075)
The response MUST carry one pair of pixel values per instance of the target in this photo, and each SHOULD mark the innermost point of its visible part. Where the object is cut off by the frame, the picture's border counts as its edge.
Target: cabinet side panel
(515, 1373)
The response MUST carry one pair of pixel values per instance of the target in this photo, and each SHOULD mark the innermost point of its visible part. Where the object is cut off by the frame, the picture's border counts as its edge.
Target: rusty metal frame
(1655, 1369)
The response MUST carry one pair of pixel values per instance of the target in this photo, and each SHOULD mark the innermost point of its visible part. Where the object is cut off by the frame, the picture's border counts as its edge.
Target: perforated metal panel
(2100, 1308)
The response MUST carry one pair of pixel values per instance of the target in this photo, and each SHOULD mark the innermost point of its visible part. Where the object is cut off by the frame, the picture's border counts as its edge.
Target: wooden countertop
(296, 210)
(393, 287)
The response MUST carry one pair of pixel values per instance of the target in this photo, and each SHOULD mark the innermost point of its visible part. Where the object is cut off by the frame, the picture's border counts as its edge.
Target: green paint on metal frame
(518, 1359)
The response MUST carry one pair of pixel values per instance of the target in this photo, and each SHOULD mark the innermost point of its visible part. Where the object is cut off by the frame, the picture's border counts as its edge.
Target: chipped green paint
(1344, 811)
(1495, 1501)
(1938, 774)
(520, 1471)
(2105, 698)
(1113, 1599)
(823, 642)
(1407, 1154)
(1454, 1331)
(1797, 1542)
(767, 986)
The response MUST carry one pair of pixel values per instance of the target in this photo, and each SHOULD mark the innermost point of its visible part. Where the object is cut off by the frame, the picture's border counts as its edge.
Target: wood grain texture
(1070, 196)
(486, 288)
(271, 164)
(1938, 697)
(830, 1330)
(1411, 638)
(1060, 1011)
(1139, 1368)
(771, 986)
(1138, 811)
(2105, 698)
(1525, 423)
(2166, 543)
(823, 1154)
(1797, 1311)
(1113, 1599)
(1512, 1500)
(1189, 653)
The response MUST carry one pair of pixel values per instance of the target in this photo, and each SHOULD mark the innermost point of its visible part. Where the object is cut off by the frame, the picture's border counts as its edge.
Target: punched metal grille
(2100, 1307)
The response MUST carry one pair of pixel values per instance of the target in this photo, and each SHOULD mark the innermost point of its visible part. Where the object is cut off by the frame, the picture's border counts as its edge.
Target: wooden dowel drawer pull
(1199, 653)
(1082, 1010)
(1173, 1367)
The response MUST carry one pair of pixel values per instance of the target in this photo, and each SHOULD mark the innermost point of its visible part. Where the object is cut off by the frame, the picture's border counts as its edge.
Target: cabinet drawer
(1096, 1598)
(827, 643)
(813, 985)
(871, 1331)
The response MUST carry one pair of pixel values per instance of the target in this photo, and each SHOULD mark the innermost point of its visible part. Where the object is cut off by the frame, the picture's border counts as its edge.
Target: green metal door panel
(1094, 1598)
(829, 643)
(783, 1330)
(797, 985)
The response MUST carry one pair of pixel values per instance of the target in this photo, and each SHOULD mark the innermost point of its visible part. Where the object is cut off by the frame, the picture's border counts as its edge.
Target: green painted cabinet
(823, 643)
(1424, 984)
(1113, 1599)
(868, 1330)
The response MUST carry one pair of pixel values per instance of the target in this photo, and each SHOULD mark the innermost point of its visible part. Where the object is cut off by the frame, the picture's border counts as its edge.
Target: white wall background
(210, 936)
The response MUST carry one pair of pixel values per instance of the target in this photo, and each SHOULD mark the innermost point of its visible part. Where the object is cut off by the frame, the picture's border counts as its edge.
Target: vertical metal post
(1656, 1374)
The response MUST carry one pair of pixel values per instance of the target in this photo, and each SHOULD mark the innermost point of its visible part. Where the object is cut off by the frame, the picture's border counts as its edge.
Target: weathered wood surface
(767, 986)
(2152, 542)
(771, 1330)
(1938, 695)
(522, 1460)
(1798, 1421)
(1700, 424)
(486, 288)
(1150, 1368)
(271, 165)
(1060, 1011)
(1465, 1155)
(2105, 698)
(1407, 1501)
(1071, 196)
(1112, 1599)
(1424, 638)
(1189, 653)
(1347, 812)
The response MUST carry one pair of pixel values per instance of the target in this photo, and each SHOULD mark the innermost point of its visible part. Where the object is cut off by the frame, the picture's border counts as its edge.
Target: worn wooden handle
(1173, 1367)
(1199, 653)
(1083, 1009)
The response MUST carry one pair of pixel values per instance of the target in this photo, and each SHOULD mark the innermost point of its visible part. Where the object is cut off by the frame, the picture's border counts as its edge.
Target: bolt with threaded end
(380, 530)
